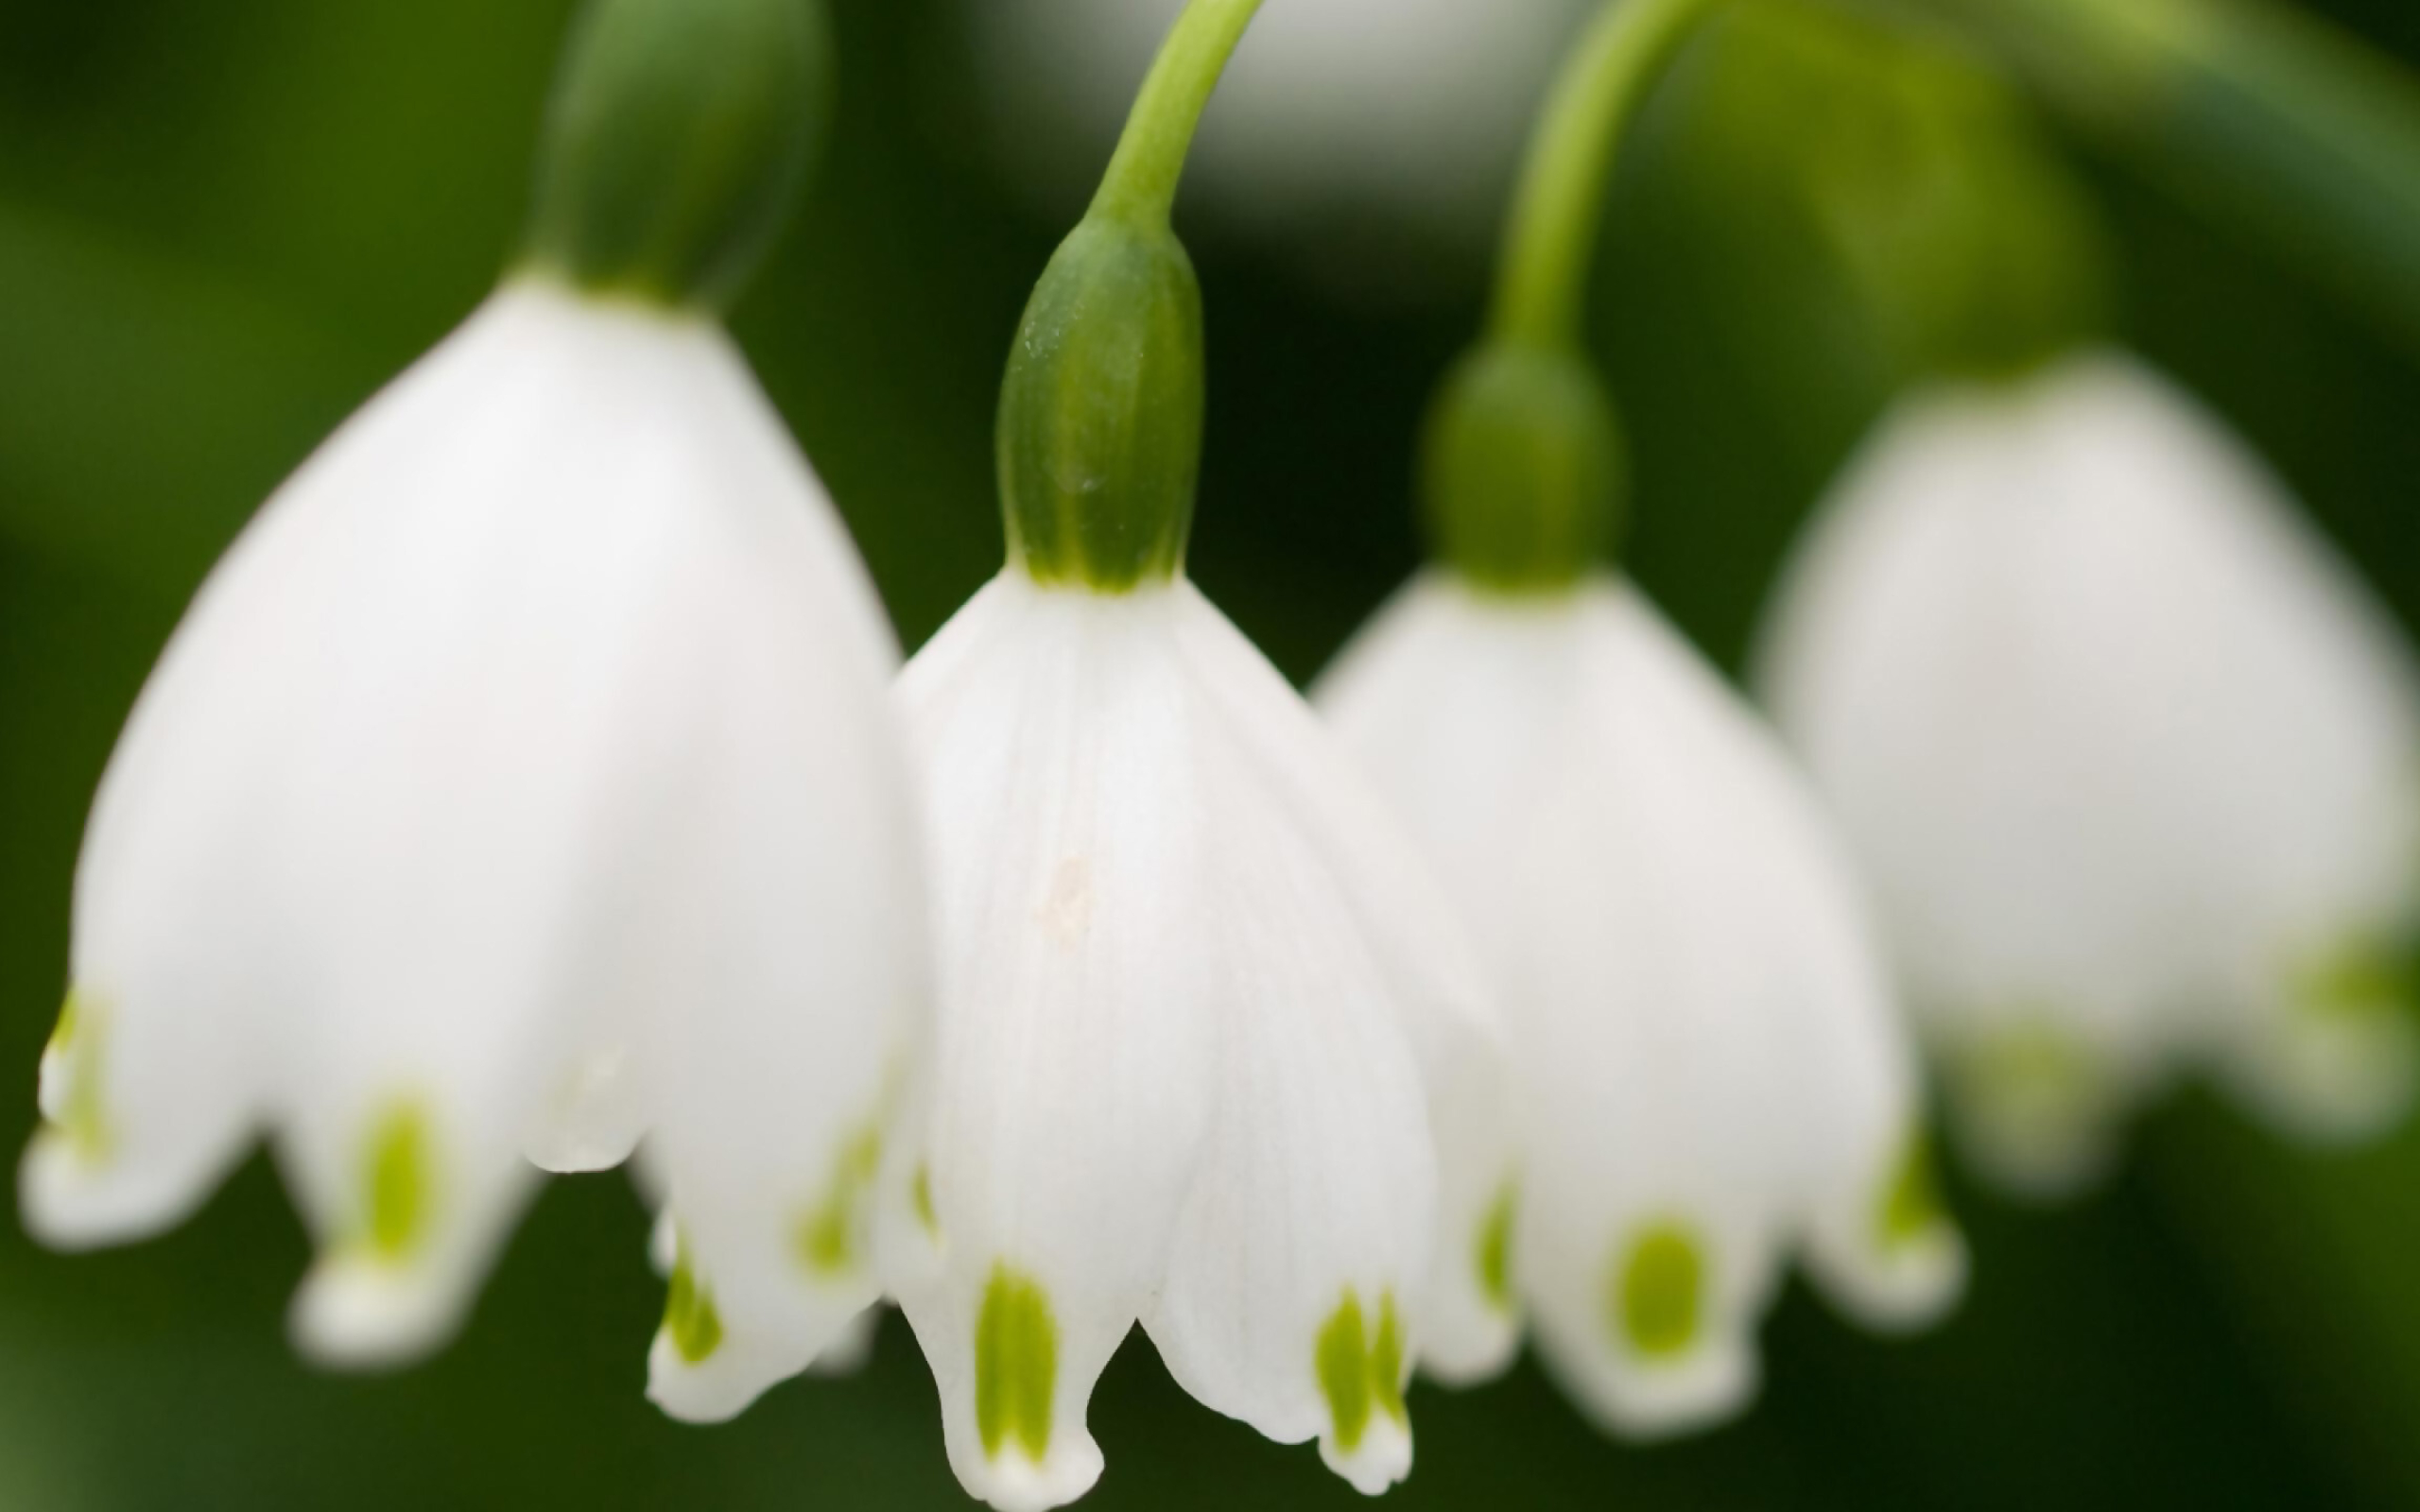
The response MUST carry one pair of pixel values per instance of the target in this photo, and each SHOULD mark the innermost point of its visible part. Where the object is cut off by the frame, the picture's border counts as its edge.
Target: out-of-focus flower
(524, 779)
(1708, 1069)
(1709, 1076)
(2131, 758)
(1346, 126)
(1205, 1026)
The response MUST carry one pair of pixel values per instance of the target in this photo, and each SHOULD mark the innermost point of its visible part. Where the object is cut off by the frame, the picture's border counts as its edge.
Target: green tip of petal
(1659, 1292)
(1360, 1373)
(398, 1182)
(920, 1193)
(1016, 1365)
(2362, 981)
(1387, 1360)
(690, 1320)
(1495, 1250)
(830, 1237)
(73, 1100)
(1911, 1209)
(1342, 1360)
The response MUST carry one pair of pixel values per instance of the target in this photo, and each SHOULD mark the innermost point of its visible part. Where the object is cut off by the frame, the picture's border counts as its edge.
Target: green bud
(1525, 469)
(680, 133)
(1101, 412)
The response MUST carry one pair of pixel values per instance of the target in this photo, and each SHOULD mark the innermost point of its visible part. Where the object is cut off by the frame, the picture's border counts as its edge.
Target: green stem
(1140, 186)
(2299, 133)
(1551, 243)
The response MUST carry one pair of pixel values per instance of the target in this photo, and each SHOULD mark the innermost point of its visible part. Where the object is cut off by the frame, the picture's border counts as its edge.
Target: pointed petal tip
(2332, 1083)
(2042, 1163)
(1379, 1460)
(714, 1388)
(565, 1153)
(1650, 1401)
(1906, 1289)
(71, 1201)
(357, 1312)
(852, 1350)
(1010, 1481)
(1474, 1362)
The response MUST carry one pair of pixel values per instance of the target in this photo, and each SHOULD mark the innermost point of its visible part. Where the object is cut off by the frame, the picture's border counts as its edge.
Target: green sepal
(1525, 470)
(678, 138)
(1101, 411)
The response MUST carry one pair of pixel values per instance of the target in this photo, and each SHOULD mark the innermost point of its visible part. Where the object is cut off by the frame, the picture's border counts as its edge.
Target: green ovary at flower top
(1211, 1055)
(676, 145)
(1703, 1032)
(525, 784)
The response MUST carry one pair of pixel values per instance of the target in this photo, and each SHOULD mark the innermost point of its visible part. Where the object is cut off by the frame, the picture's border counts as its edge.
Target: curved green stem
(1551, 243)
(1142, 180)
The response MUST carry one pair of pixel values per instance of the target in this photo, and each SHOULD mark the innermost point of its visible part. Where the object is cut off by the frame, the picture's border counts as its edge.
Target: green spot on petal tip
(72, 1064)
(2362, 981)
(829, 1238)
(1494, 1256)
(1911, 1209)
(398, 1184)
(689, 1316)
(1387, 1362)
(1016, 1365)
(920, 1193)
(1659, 1293)
(1360, 1373)
(1344, 1374)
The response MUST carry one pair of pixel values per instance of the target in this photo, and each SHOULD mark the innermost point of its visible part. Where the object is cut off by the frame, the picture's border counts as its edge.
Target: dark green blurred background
(223, 222)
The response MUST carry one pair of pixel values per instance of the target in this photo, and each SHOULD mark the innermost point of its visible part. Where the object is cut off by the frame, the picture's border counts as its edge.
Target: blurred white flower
(525, 779)
(2132, 760)
(1343, 125)
(1203, 1032)
(1706, 1065)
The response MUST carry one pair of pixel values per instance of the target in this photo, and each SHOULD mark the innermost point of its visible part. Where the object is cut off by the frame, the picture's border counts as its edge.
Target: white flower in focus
(1340, 117)
(523, 780)
(2132, 757)
(1706, 1065)
(1190, 989)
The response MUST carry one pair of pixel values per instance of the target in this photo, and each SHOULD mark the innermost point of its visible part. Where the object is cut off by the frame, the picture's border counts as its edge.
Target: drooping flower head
(1204, 1029)
(2132, 756)
(1709, 1075)
(524, 780)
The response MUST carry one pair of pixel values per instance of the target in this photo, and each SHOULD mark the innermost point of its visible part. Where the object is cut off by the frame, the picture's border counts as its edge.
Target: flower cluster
(536, 786)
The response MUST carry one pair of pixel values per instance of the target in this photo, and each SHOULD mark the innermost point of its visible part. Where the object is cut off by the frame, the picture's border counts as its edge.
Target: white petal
(1079, 1059)
(2124, 746)
(1302, 1251)
(1468, 1319)
(1573, 834)
(778, 930)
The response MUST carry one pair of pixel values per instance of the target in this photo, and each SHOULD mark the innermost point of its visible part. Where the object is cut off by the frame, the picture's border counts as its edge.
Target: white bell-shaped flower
(1211, 1056)
(2132, 760)
(1706, 1065)
(528, 763)
(1189, 988)
(526, 780)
